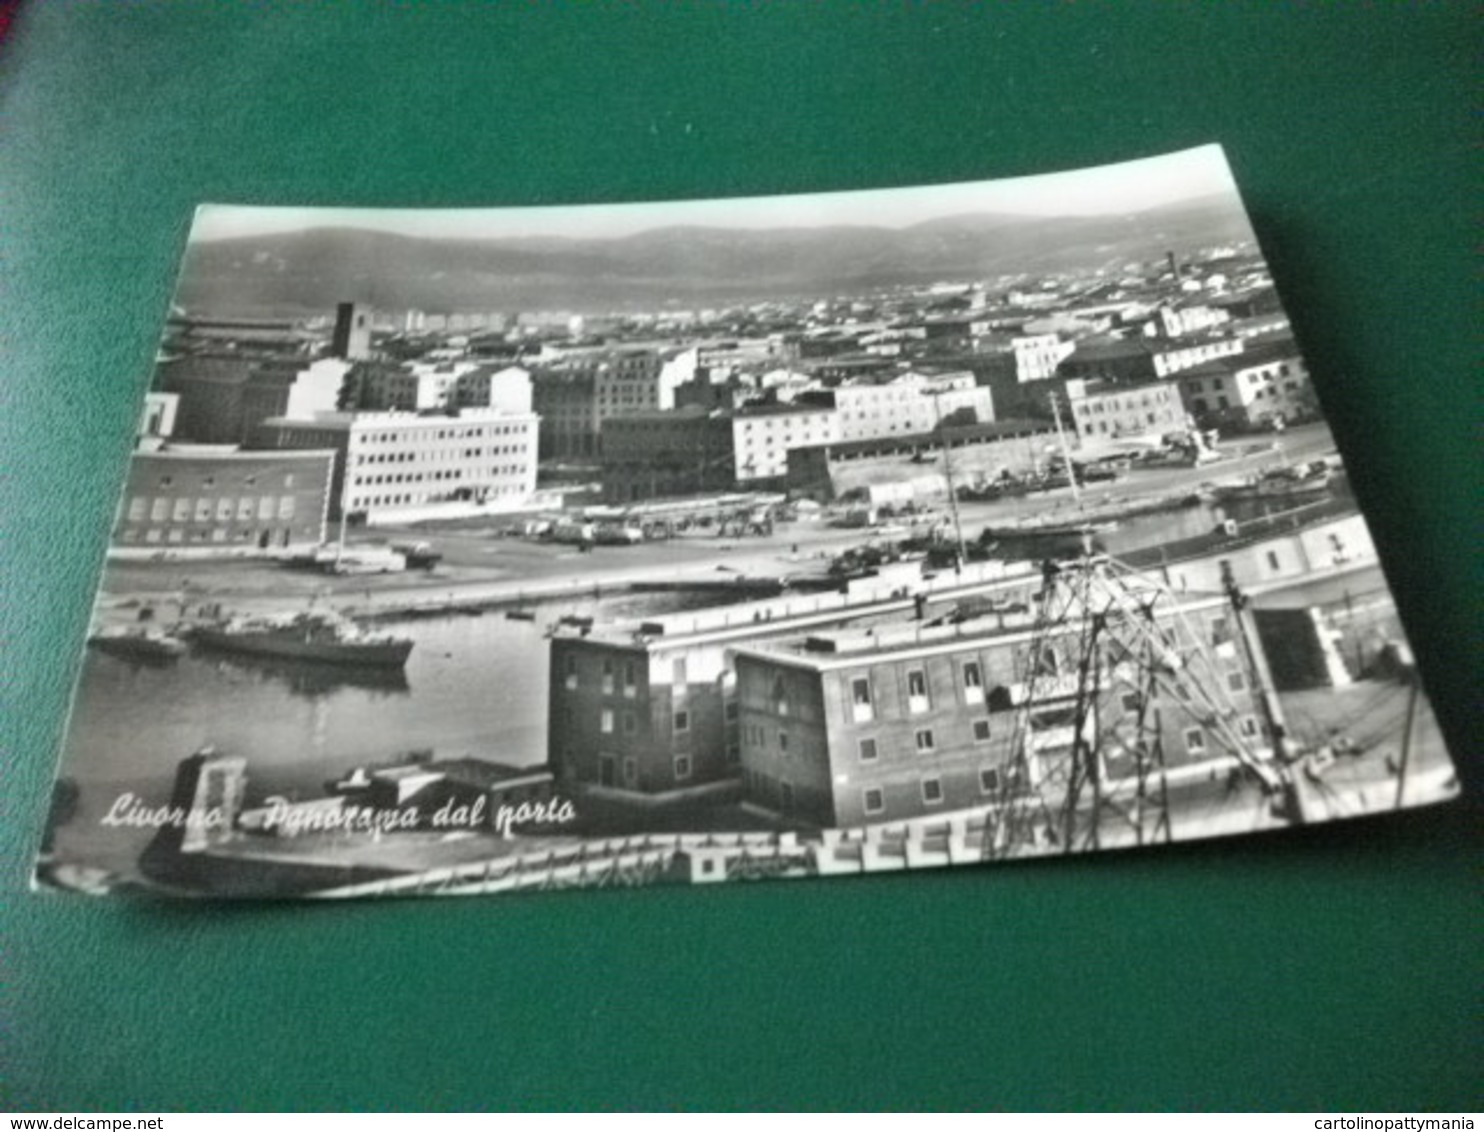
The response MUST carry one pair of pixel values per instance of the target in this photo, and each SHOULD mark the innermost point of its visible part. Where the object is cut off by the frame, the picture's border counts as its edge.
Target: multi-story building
(853, 727)
(1104, 411)
(577, 391)
(224, 396)
(692, 450)
(1180, 355)
(565, 402)
(1132, 360)
(762, 436)
(1266, 383)
(396, 466)
(905, 404)
(1178, 321)
(211, 501)
(351, 338)
(654, 455)
(1038, 355)
(648, 708)
(443, 384)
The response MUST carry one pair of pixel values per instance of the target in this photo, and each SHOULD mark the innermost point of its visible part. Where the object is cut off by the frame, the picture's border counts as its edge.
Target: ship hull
(380, 653)
(133, 646)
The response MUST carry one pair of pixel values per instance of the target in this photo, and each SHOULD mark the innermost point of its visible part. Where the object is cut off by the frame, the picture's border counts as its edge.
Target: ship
(322, 637)
(134, 642)
(1290, 484)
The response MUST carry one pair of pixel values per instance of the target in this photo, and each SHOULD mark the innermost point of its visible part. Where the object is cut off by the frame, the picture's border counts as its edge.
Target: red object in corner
(7, 11)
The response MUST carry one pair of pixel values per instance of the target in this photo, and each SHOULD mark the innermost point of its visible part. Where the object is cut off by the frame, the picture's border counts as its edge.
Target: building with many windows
(1105, 411)
(210, 501)
(397, 466)
(763, 435)
(1268, 382)
(648, 708)
(905, 403)
(855, 727)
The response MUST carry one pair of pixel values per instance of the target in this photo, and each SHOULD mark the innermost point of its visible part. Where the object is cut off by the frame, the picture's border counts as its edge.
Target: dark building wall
(567, 406)
(298, 439)
(783, 740)
(620, 718)
(352, 335)
(210, 390)
(659, 455)
(225, 502)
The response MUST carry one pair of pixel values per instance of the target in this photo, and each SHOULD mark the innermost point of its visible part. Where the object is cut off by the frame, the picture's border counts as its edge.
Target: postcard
(476, 551)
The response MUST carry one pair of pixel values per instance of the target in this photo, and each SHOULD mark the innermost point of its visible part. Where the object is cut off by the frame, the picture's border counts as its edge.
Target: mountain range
(308, 271)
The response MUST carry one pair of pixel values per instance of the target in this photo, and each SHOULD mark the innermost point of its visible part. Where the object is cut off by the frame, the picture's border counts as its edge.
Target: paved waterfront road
(481, 565)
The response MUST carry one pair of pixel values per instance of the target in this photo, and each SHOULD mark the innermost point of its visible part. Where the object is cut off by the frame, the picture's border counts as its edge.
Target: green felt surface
(1330, 968)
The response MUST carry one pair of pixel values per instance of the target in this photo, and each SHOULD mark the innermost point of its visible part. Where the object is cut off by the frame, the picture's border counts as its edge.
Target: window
(973, 683)
(628, 723)
(677, 673)
(1195, 741)
(783, 740)
(917, 696)
(138, 508)
(932, 791)
(989, 780)
(924, 739)
(682, 767)
(608, 678)
(159, 509)
(1249, 727)
(860, 697)
(570, 669)
(605, 721)
(630, 771)
(682, 722)
(873, 801)
(1131, 702)
(981, 730)
(630, 685)
(1236, 681)
(1273, 563)
(780, 697)
(867, 750)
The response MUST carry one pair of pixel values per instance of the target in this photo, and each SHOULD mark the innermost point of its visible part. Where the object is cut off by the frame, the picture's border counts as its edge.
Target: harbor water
(474, 686)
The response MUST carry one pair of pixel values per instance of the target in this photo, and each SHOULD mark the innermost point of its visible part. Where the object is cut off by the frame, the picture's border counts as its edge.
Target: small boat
(520, 615)
(136, 643)
(1279, 483)
(328, 638)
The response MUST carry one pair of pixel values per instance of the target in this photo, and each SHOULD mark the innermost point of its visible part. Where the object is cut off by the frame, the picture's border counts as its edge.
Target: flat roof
(230, 452)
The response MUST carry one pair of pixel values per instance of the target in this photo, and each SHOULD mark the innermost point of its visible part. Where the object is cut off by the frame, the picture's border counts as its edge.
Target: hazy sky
(1127, 187)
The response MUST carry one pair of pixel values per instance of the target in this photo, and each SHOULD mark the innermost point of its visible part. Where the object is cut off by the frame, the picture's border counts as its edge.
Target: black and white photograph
(473, 551)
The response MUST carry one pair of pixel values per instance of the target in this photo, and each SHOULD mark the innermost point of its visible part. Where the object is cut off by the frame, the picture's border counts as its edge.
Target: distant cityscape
(809, 398)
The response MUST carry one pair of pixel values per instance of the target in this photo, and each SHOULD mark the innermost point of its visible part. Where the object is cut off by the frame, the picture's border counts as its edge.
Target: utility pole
(958, 530)
(1066, 455)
